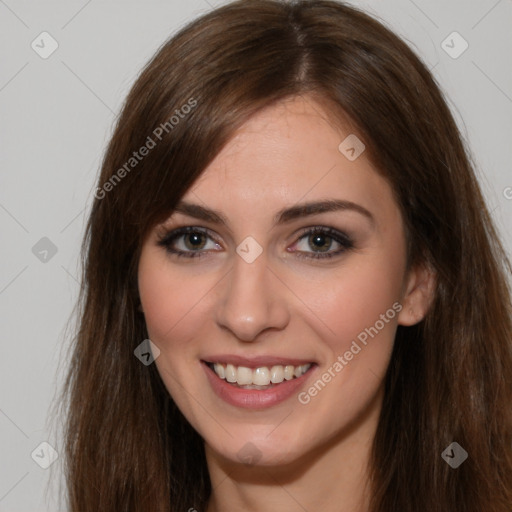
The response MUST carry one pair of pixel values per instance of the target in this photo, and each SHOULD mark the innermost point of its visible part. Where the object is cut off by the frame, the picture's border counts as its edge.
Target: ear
(419, 288)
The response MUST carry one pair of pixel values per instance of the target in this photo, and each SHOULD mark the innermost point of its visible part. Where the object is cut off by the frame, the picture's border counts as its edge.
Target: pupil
(319, 241)
(193, 241)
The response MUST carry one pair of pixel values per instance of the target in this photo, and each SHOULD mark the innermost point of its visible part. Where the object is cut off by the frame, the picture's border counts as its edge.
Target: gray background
(56, 117)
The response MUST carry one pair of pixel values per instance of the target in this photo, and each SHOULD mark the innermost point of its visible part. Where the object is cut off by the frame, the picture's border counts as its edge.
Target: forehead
(290, 152)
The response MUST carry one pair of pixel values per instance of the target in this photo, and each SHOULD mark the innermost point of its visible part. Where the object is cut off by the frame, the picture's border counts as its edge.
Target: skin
(309, 455)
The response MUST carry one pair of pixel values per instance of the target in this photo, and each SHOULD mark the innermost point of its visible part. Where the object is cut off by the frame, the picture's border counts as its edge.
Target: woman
(287, 211)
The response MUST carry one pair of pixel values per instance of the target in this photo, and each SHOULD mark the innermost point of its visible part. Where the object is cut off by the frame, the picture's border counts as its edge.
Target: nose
(252, 300)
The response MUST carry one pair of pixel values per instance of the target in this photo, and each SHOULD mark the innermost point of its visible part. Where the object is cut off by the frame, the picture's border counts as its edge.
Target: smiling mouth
(261, 378)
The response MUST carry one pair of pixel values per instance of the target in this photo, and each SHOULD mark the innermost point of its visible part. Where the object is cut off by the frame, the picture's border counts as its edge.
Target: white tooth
(298, 371)
(244, 376)
(305, 368)
(261, 376)
(230, 373)
(219, 370)
(276, 374)
(288, 372)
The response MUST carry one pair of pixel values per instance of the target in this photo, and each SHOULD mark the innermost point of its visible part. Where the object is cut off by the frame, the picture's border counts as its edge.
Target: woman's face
(290, 277)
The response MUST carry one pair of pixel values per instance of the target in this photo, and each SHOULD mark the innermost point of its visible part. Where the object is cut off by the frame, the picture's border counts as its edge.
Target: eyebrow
(283, 216)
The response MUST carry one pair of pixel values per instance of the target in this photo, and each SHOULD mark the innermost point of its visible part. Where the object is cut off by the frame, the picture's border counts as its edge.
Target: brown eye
(322, 242)
(189, 242)
(194, 240)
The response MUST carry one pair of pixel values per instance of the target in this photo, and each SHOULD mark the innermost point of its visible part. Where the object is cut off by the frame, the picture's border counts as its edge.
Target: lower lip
(255, 398)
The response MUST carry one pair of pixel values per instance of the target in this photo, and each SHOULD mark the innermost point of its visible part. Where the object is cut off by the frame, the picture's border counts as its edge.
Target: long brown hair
(128, 447)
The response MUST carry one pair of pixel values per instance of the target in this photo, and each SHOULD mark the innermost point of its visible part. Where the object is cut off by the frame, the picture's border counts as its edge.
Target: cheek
(170, 300)
(161, 308)
(354, 299)
(173, 310)
(358, 321)
(355, 314)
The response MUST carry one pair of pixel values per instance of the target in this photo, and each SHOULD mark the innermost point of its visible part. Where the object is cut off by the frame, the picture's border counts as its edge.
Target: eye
(193, 242)
(325, 242)
(189, 242)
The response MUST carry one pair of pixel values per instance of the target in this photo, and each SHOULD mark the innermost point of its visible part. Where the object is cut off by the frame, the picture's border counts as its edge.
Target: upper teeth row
(259, 376)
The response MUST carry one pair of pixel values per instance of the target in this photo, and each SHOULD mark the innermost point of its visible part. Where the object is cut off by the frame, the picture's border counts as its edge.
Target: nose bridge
(249, 303)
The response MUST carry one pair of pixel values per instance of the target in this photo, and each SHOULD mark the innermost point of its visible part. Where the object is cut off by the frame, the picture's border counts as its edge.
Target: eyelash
(344, 240)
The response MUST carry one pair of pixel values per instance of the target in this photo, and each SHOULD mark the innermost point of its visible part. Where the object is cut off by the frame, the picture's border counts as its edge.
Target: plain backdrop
(56, 116)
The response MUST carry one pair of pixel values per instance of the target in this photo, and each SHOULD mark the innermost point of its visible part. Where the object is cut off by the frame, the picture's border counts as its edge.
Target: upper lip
(255, 361)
